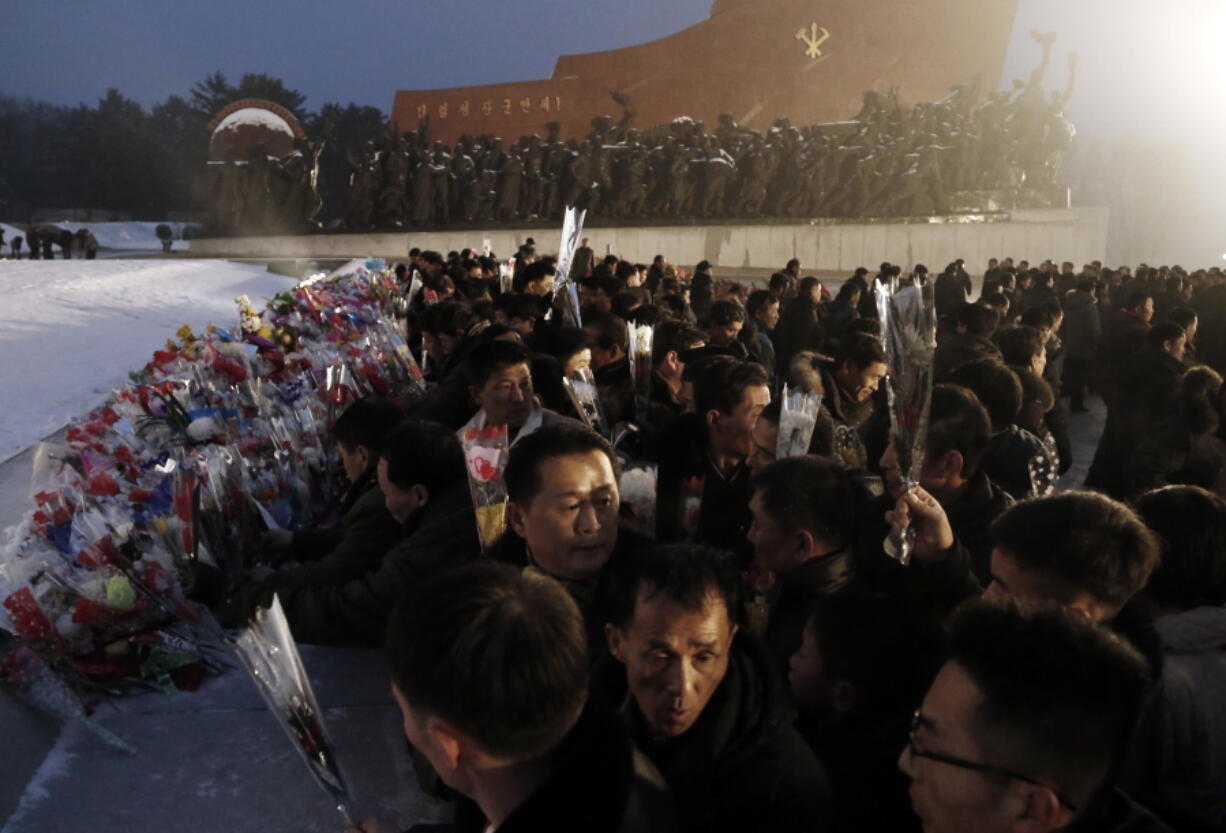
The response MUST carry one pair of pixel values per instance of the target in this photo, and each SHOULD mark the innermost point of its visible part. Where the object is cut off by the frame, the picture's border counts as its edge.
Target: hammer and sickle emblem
(812, 39)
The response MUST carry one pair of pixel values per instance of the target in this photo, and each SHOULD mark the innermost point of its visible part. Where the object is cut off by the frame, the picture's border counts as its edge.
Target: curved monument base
(1075, 234)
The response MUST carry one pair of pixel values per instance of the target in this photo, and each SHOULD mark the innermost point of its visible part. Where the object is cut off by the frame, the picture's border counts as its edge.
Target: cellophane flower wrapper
(563, 285)
(506, 276)
(32, 680)
(267, 651)
(641, 337)
(581, 387)
(638, 491)
(485, 455)
(1044, 468)
(797, 419)
(162, 477)
(691, 506)
(908, 321)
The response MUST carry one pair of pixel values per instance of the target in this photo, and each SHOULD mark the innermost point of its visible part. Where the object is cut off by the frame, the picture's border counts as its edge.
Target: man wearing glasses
(1023, 728)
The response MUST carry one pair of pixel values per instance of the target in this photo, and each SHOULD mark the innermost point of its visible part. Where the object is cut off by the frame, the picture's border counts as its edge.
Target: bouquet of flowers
(581, 387)
(638, 491)
(640, 369)
(572, 229)
(908, 319)
(797, 418)
(485, 453)
(267, 651)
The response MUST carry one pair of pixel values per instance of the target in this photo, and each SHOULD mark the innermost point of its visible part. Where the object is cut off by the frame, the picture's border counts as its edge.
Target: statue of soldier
(394, 183)
(628, 177)
(464, 175)
(533, 199)
(421, 193)
(718, 171)
(751, 182)
(578, 179)
(600, 195)
(440, 183)
(363, 182)
(510, 182)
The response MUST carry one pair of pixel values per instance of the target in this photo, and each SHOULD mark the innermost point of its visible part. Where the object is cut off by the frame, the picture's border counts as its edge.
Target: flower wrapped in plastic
(641, 337)
(581, 387)
(638, 492)
(267, 651)
(908, 320)
(485, 455)
(797, 418)
(564, 286)
(691, 506)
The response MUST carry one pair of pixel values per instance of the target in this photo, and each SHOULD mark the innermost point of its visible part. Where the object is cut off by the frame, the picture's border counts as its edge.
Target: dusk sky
(1152, 69)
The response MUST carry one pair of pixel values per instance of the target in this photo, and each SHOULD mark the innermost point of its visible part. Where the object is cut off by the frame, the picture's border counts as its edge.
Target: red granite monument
(757, 60)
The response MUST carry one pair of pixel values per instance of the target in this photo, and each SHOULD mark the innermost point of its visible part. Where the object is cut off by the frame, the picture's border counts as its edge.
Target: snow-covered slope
(70, 330)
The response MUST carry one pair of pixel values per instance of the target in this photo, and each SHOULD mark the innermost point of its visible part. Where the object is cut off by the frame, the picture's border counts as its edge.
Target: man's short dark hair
(423, 453)
(1040, 317)
(1081, 542)
(683, 573)
(519, 305)
(365, 423)
(958, 422)
(978, 319)
(814, 494)
(561, 342)
(538, 270)
(861, 350)
(725, 313)
(487, 359)
(1191, 526)
(447, 318)
(996, 386)
(608, 331)
(1060, 696)
(1183, 316)
(530, 453)
(1162, 332)
(723, 388)
(1137, 298)
(1018, 345)
(670, 336)
(497, 652)
(759, 300)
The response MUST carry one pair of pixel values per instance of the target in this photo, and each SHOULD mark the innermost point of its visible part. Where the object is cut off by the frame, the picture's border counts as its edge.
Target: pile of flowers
(173, 479)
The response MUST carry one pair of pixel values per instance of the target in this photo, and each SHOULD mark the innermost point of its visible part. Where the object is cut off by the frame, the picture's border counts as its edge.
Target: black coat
(351, 550)
(601, 784)
(440, 535)
(799, 591)
(742, 766)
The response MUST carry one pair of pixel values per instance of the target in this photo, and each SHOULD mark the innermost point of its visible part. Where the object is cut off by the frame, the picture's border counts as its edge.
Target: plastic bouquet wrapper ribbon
(485, 454)
(266, 649)
(909, 322)
(641, 338)
(581, 387)
(564, 287)
(797, 419)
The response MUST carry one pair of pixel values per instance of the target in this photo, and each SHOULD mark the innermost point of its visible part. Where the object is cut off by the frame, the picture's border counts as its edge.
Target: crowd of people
(751, 658)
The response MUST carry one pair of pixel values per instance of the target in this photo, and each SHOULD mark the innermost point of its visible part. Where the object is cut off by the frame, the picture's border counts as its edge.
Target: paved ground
(215, 760)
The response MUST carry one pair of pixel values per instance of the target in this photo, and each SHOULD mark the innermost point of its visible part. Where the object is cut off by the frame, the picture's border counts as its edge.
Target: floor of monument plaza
(214, 759)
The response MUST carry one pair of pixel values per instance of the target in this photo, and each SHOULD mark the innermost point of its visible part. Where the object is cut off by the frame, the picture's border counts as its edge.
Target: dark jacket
(601, 784)
(1008, 460)
(1082, 328)
(959, 349)
(616, 390)
(724, 514)
(1037, 400)
(742, 766)
(799, 590)
(440, 535)
(353, 549)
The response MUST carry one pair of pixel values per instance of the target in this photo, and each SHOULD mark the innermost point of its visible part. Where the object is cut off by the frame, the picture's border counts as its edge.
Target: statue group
(889, 161)
(265, 194)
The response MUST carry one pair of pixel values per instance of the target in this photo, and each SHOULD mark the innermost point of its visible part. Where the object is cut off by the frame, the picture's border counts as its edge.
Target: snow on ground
(127, 236)
(71, 330)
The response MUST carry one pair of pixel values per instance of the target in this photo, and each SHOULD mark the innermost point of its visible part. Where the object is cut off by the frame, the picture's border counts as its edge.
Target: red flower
(102, 485)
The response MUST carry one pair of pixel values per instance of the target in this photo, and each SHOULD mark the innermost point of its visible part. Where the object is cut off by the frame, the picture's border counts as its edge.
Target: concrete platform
(1075, 234)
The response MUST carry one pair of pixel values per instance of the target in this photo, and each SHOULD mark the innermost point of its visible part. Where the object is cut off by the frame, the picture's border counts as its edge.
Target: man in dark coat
(1082, 331)
(852, 394)
(425, 485)
(707, 704)
(971, 340)
(489, 667)
(703, 482)
(804, 524)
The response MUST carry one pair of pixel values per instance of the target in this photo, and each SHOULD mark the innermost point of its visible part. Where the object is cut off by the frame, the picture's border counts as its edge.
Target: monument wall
(1076, 234)
(756, 59)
